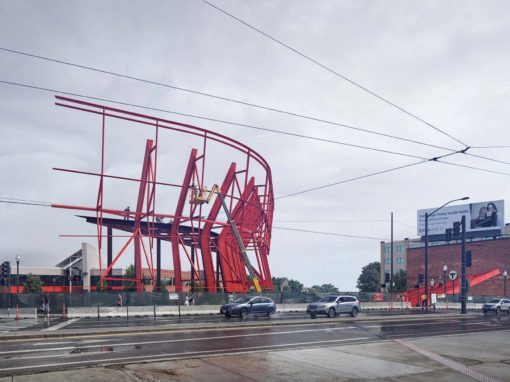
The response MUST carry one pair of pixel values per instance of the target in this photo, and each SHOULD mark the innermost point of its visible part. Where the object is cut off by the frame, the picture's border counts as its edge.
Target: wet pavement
(446, 347)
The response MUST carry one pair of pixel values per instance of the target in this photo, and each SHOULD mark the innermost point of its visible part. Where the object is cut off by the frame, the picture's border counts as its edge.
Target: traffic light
(386, 277)
(6, 269)
(468, 258)
(448, 234)
(420, 278)
(456, 229)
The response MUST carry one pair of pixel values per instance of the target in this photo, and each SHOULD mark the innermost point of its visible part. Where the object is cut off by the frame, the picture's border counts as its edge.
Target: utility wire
(350, 179)
(436, 159)
(239, 102)
(264, 129)
(333, 72)
(221, 98)
(40, 204)
(330, 233)
(218, 120)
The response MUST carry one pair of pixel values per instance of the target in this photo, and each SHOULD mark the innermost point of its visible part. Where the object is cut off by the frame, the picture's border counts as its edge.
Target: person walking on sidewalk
(46, 310)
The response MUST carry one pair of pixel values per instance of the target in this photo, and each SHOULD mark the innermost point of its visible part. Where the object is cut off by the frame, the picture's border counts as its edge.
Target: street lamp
(18, 258)
(505, 273)
(427, 246)
(445, 268)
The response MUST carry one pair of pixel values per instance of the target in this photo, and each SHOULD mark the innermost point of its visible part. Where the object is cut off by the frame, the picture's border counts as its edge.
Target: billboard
(480, 217)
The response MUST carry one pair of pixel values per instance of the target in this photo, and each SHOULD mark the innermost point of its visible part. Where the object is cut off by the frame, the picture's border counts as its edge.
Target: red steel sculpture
(197, 232)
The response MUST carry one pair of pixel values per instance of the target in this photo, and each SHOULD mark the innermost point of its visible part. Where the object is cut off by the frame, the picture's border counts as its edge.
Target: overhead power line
(333, 72)
(216, 120)
(315, 119)
(265, 129)
(330, 233)
(435, 159)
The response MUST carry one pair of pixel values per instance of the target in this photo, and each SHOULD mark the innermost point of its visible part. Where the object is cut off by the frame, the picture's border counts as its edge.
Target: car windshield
(494, 301)
(242, 300)
(328, 299)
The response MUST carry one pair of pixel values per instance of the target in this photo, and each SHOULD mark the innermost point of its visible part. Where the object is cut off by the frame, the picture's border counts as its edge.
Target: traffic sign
(453, 275)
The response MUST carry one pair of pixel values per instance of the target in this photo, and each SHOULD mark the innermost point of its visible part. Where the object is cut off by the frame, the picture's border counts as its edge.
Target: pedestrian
(423, 301)
(119, 300)
(126, 213)
(192, 299)
(46, 310)
(186, 300)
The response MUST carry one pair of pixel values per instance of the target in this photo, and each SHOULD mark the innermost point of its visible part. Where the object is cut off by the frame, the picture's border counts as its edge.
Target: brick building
(487, 254)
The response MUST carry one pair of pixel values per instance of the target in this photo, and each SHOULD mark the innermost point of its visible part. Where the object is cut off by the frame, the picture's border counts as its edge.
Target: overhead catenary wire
(215, 120)
(423, 160)
(320, 120)
(345, 78)
(250, 104)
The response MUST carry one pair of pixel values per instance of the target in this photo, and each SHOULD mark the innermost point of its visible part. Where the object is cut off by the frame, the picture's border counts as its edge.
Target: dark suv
(256, 305)
(334, 305)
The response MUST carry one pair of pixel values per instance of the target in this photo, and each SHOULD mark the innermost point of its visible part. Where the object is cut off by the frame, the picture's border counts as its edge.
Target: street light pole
(18, 258)
(427, 246)
(463, 291)
(505, 273)
(445, 268)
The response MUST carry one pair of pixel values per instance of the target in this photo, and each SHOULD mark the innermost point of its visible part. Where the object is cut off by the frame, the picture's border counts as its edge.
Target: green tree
(33, 284)
(369, 279)
(324, 288)
(129, 274)
(400, 281)
(292, 285)
(329, 288)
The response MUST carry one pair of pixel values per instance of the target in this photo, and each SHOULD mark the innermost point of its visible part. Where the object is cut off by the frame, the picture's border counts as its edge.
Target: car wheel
(243, 314)
(331, 312)
(228, 315)
(354, 312)
(313, 316)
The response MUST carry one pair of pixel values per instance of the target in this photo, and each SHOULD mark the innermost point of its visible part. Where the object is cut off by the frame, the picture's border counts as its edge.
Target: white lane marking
(174, 341)
(62, 324)
(53, 343)
(163, 357)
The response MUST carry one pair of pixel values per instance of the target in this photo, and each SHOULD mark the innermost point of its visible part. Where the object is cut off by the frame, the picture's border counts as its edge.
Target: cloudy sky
(432, 72)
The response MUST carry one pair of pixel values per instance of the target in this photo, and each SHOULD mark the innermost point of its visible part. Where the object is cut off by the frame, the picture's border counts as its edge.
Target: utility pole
(463, 267)
(391, 251)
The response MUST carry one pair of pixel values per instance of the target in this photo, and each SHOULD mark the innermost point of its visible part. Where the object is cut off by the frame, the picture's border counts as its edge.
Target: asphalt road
(223, 337)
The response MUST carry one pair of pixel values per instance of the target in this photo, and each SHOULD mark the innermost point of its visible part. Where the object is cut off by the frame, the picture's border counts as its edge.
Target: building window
(387, 250)
(400, 260)
(387, 261)
(400, 248)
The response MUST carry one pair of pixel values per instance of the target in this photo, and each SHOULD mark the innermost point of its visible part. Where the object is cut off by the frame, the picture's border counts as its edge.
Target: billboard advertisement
(480, 217)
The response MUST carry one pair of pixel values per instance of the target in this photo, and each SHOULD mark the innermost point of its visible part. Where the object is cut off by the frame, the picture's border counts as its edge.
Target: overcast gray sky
(447, 62)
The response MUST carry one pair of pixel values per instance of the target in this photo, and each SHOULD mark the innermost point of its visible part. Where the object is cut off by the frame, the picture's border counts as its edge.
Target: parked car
(256, 305)
(497, 305)
(334, 305)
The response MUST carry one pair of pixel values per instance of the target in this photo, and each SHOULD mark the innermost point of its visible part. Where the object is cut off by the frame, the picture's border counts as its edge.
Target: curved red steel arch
(192, 236)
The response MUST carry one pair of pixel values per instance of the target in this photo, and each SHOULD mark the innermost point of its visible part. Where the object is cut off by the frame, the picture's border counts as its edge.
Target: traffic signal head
(6, 269)
(456, 229)
(468, 258)
(448, 234)
(420, 278)
(386, 277)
